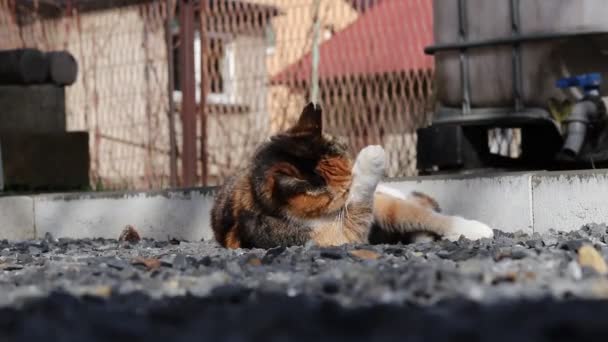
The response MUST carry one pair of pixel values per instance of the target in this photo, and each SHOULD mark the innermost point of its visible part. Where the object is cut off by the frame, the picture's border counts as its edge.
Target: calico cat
(302, 186)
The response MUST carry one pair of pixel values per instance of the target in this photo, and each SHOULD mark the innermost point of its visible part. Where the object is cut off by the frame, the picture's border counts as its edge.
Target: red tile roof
(389, 37)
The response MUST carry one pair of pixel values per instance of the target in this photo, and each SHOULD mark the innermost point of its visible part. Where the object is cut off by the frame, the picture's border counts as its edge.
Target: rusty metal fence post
(170, 88)
(186, 55)
(203, 89)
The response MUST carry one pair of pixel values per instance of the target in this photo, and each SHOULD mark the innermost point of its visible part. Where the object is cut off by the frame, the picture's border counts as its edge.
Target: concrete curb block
(532, 202)
(17, 218)
(569, 200)
(155, 215)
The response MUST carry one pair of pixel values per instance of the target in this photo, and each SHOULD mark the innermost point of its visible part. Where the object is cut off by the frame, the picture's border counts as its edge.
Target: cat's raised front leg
(355, 220)
(367, 172)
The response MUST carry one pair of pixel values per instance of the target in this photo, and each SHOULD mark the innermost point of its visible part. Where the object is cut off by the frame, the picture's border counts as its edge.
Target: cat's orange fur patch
(306, 205)
(336, 171)
(242, 198)
(232, 241)
(400, 215)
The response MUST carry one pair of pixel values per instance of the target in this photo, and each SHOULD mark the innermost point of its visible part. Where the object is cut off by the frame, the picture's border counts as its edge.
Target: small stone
(105, 248)
(536, 243)
(24, 258)
(520, 234)
(573, 245)
(600, 288)
(271, 254)
(331, 287)
(48, 237)
(101, 291)
(150, 264)
(253, 260)
(116, 264)
(574, 270)
(129, 234)
(161, 244)
(364, 254)
(174, 241)
(499, 253)
(206, 261)
(459, 254)
(596, 230)
(180, 262)
(171, 284)
(167, 260)
(332, 253)
(395, 251)
(519, 252)
(589, 272)
(278, 277)
(414, 254)
(10, 267)
(550, 240)
(34, 251)
(233, 267)
(509, 277)
(590, 257)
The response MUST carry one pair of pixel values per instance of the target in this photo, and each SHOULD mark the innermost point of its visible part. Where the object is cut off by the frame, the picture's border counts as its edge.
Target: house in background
(121, 95)
(290, 38)
(256, 57)
(375, 80)
(230, 57)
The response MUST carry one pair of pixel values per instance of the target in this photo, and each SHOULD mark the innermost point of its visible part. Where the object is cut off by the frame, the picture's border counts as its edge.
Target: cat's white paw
(367, 172)
(370, 162)
(472, 230)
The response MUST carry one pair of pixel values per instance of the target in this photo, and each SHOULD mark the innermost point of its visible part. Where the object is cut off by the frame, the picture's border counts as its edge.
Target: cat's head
(303, 171)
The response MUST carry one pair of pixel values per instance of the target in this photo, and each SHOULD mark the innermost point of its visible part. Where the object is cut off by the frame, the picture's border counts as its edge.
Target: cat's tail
(407, 218)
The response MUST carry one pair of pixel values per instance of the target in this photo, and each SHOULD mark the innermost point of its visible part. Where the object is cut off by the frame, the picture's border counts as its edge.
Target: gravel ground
(515, 286)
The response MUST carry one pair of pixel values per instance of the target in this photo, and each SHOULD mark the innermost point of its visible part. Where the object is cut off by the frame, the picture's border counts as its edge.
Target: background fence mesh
(253, 63)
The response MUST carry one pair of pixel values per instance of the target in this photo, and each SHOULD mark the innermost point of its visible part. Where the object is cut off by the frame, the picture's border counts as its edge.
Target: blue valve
(588, 82)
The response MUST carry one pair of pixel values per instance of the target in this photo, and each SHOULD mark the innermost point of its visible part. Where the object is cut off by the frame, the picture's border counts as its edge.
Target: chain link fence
(253, 66)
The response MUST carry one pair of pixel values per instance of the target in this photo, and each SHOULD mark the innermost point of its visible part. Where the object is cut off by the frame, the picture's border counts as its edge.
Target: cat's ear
(310, 121)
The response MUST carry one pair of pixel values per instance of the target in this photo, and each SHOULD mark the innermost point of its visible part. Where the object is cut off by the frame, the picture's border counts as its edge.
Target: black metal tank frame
(431, 50)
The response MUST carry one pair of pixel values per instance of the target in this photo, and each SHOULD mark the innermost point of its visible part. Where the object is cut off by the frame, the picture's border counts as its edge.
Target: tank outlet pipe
(584, 111)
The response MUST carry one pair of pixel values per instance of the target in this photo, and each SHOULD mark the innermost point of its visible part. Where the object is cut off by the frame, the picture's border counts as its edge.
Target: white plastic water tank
(542, 62)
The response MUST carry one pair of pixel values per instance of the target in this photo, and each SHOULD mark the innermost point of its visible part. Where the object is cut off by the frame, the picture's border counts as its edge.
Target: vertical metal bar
(148, 169)
(186, 56)
(203, 90)
(314, 79)
(464, 61)
(170, 89)
(517, 78)
(1, 170)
